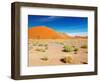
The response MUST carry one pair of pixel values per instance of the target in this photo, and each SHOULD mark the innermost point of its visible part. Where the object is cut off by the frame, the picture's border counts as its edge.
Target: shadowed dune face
(42, 32)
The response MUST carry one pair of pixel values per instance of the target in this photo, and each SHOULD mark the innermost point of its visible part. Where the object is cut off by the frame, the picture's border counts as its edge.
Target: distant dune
(82, 37)
(43, 32)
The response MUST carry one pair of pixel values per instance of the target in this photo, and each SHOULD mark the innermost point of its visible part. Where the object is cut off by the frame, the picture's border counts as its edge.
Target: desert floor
(52, 52)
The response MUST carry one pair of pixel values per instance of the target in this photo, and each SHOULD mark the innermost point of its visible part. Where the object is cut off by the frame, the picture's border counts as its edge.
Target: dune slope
(43, 32)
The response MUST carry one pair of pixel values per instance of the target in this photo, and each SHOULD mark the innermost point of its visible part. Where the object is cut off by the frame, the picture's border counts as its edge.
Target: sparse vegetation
(44, 58)
(40, 49)
(34, 44)
(40, 45)
(57, 51)
(45, 45)
(84, 63)
(67, 59)
(68, 49)
(84, 46)
(75, 49)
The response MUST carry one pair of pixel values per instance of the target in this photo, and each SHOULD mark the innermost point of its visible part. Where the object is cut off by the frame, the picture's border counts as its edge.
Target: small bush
(68, 49)
(43, 50)
(44, 58)
(67, 59)
(84, 46)
(84, 63)
(34, 44)
(40, 49)
(75, 49)
(40, 45)
(45, 45)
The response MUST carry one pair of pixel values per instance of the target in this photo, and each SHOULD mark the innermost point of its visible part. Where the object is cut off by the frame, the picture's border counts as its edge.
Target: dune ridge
(43, 32)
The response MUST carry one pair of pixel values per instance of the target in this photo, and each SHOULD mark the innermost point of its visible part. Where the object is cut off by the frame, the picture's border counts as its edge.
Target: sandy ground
(50, 52)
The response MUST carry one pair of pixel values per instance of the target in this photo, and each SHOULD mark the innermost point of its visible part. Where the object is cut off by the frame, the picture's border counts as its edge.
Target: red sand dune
(43, 32)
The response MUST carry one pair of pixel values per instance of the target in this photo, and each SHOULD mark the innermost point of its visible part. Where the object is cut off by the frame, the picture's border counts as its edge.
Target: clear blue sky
(70, 25)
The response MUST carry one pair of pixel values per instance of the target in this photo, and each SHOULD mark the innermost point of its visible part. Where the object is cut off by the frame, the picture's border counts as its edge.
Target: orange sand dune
(43, 32)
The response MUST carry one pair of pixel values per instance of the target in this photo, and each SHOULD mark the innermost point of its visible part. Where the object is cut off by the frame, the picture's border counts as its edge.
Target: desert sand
(47, 47)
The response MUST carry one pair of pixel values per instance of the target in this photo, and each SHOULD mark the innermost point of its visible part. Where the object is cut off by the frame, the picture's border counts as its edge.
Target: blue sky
(69, 25)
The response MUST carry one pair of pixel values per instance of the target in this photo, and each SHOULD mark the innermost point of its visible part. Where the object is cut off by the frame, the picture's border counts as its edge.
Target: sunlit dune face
(42, 32)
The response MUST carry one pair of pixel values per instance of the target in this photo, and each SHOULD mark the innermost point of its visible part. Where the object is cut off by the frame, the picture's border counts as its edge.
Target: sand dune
(43, 32)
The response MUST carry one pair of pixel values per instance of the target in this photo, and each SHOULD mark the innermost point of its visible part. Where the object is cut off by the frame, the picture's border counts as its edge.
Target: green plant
(68, 49)
(84, 46)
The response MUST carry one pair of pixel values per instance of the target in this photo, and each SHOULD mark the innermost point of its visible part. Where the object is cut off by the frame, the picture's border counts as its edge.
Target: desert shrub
(45, 45)
(34, 44)
(44, 58)
(40, 45)
(84, 63)
(40, 49)
(84, 46)
(75, 49)
(68, 49)
(43, 50)
(67, 59)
